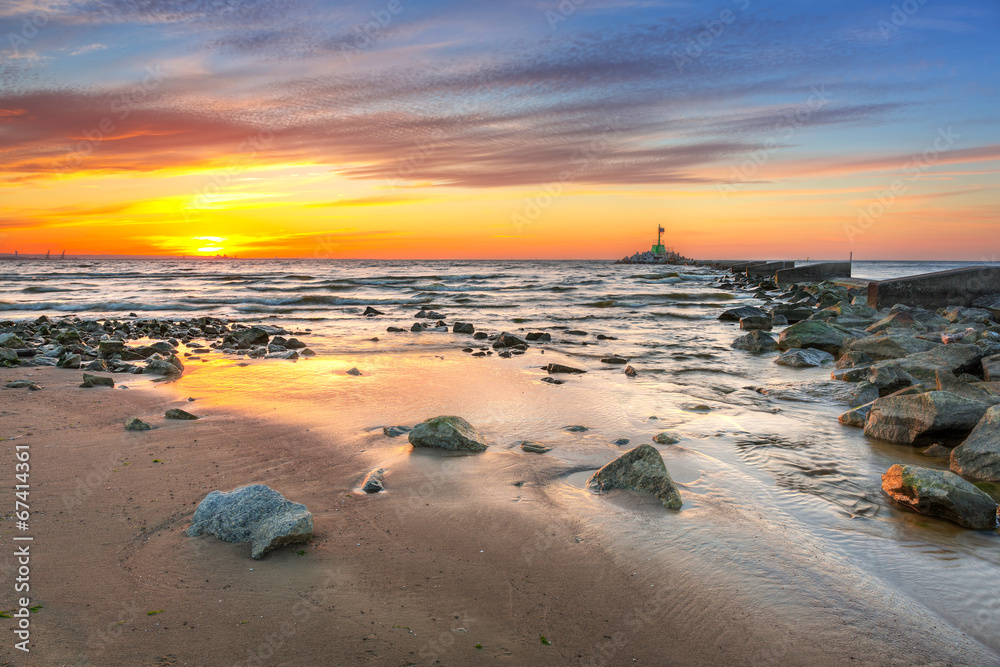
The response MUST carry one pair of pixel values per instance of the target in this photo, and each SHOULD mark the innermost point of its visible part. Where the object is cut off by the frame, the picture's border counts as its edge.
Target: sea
(760, 443)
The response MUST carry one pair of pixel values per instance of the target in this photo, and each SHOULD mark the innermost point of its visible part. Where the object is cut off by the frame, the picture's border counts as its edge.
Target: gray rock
(576, 428)
(177, 413)
(559, 368)
(540, 336)
(373, 481)
(938, 451)
(814, 334)
(891, 347)
(910, 419)
(640, 469)
(862, 393)
(737, 314)
(547, 379)
(256, 514)
(244, 338)
(853, 359)
(110, 347)
(979, 456)
(666, 438)
(354, 371)
(614, 360)
(804, 358)
(136, 424)
(755, 323)
(97, 381)
(792, 312)
(12, 341)
(9, 358)
(897, 320)
(21, 384)
(756, 341)
(857, 416)
(534, 447)
(630, 372)
(294, 344)
(99, 365)
(991, 368)
(446, 432)
(395, 431)
(890, 378)
(161, 367)
(942, 494)
(507, 340)
(948, 382)
(957, 358)
(73, 361)
(463, 328)
(286, 354)
(371, 312)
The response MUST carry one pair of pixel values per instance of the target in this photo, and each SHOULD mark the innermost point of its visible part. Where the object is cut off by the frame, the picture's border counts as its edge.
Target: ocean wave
(42, 289)
(98, 306)
(655, 276)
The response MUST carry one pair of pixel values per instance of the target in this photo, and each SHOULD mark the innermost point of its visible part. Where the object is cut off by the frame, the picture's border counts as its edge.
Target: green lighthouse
(658, 249)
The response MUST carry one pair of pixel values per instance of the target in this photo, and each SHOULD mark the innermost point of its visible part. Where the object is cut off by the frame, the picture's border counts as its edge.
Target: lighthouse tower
(658, 249)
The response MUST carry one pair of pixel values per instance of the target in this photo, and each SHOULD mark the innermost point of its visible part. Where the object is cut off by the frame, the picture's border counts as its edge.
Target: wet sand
(494, 550)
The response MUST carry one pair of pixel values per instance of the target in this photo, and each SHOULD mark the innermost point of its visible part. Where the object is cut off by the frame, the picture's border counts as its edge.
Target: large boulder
(464, 327)
(756, 341)
(814, 334)
(804, 358)
(792, 312)
(857, 416)
(979, 456)
(991, 368)
(452, 433)
(161, 367)
(257, 514)
(737, 314)
(8, 358)
(11, 340)
(897, 320)
(891, 347)
(911, 419)
(73, 361)
(940, 493)
(639, 469)
(97, 381)
(957, 358)
(948, 382)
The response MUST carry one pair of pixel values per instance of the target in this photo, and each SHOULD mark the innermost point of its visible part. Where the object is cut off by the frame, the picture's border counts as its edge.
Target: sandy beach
(495, 558)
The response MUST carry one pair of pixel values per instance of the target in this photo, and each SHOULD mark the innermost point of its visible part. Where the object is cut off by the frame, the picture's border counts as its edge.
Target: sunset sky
(523, 128)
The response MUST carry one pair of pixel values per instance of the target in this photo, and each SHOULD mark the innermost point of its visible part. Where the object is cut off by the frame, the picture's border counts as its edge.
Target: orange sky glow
(258, 134)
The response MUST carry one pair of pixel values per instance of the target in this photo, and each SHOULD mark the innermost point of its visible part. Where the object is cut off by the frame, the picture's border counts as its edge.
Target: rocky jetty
(919, 376)
(640, 469)
(257, 514)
